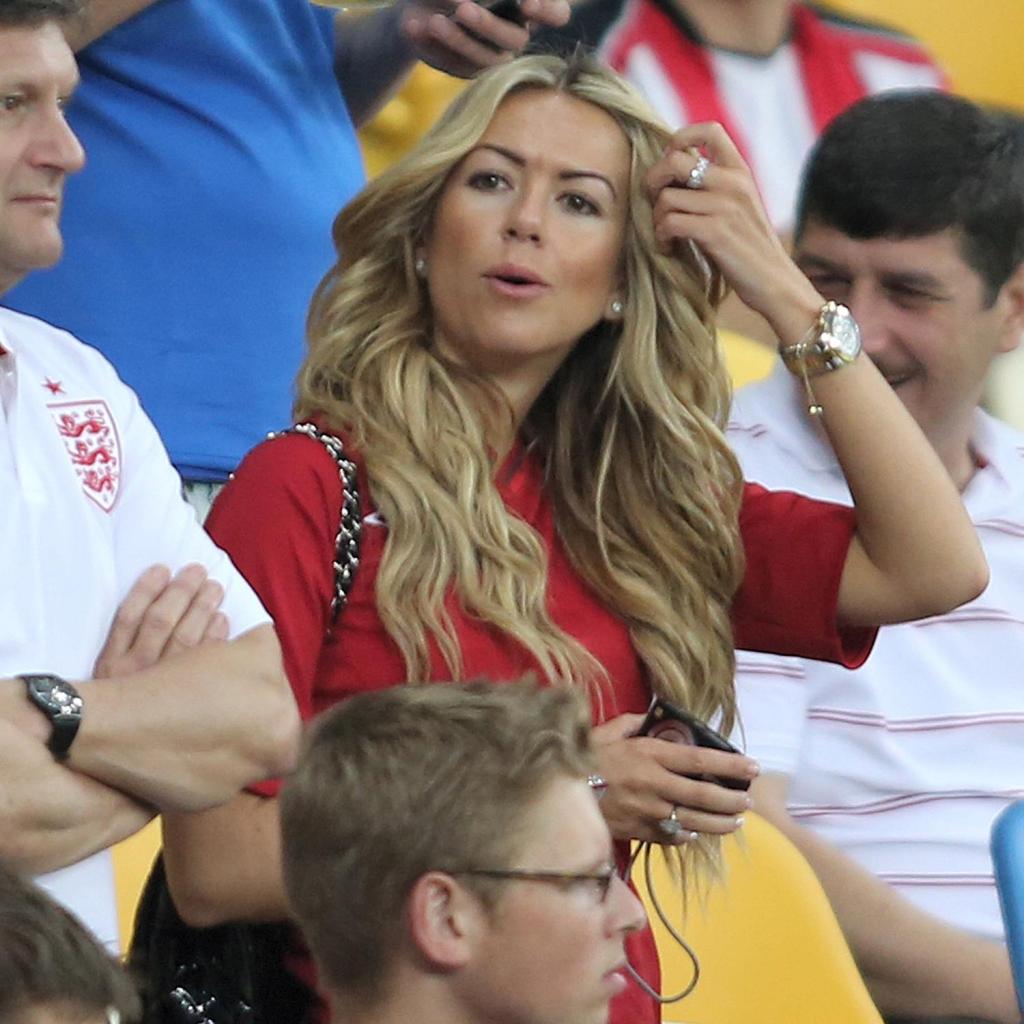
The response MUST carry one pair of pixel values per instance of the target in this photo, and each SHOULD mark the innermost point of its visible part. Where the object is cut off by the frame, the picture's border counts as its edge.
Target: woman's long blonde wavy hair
(644, 489)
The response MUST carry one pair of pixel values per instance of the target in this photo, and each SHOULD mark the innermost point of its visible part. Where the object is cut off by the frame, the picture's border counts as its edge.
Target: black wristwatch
(62, 705)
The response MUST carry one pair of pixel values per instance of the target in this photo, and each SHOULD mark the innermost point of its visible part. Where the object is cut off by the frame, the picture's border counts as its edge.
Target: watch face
(841, 333)
(57, 697)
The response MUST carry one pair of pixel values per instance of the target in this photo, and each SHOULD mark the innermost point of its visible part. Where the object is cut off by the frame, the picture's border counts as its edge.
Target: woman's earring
(420, 266)
(617, 307)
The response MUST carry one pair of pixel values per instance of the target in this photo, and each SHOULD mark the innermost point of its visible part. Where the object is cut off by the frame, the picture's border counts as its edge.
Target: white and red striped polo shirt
(773, 106)
(904, 763)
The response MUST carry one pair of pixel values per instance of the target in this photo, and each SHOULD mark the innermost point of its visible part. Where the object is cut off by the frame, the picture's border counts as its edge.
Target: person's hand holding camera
(648, 779)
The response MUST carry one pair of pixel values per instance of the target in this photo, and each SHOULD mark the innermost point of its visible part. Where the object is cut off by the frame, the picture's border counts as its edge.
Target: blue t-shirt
(219, 150)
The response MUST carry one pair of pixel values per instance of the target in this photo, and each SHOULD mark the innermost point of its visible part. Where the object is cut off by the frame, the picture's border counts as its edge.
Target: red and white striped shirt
(904, 763)
(773, 106)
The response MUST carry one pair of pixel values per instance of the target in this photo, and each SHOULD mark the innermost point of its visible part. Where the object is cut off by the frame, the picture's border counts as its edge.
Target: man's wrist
(373, 54)
(18, 712)
(60, 704)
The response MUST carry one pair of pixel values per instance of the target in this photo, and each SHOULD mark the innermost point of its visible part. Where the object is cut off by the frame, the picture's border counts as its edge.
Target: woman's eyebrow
(566, 175)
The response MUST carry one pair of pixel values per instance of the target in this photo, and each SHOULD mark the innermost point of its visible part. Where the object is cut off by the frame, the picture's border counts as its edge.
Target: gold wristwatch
(832, 343)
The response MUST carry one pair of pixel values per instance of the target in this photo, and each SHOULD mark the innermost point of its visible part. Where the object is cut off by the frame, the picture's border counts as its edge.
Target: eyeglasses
(601, 880)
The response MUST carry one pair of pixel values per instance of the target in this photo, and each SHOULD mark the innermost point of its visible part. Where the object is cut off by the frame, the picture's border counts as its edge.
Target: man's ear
(445, 920)
(1012, 297)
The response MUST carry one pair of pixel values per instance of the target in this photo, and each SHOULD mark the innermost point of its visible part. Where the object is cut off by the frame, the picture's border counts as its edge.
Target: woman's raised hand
(722, 213)
(647, 779)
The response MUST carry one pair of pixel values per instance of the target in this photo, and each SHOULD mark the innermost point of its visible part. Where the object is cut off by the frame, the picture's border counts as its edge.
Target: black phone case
(507, 9)
(665, 721)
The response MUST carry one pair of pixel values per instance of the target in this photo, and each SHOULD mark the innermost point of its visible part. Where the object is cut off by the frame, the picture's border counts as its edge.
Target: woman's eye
(13, 101)
(580, 204)
(487, 181)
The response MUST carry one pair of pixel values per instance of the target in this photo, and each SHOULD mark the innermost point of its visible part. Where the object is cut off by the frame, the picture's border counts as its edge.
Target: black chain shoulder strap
(350, 527)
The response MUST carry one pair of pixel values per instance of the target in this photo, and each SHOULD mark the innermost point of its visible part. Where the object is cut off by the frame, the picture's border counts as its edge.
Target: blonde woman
(517, 348)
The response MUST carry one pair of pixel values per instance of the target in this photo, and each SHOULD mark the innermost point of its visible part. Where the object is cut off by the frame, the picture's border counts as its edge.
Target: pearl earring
(617, 307)
(420, 266)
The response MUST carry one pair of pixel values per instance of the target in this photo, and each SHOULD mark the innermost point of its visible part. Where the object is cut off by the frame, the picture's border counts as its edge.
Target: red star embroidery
(55, 386)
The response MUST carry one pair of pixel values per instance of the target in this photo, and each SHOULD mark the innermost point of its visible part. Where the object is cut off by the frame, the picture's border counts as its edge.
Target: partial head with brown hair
(52, 970)
(401, 796)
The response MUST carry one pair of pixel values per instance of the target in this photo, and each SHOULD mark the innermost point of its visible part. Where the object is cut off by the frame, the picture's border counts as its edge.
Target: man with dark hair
(447, 859)
(108, 578)
(52, 970)
(889, 778)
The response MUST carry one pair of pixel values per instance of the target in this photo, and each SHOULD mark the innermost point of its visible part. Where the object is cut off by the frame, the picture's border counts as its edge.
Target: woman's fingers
(619, 728)
(684, 152)
(726, 219)
(714, 140)
(701, 807)
(648, 777)
(693, 823)
(683, 759)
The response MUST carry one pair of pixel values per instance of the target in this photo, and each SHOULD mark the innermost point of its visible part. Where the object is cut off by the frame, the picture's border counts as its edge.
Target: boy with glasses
(447, 860)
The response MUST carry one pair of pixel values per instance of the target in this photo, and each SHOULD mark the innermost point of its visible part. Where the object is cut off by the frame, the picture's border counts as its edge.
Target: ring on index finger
(695, 179)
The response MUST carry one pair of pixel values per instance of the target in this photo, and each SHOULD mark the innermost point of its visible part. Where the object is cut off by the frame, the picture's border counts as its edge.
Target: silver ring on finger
(671, 826)
(695, 179)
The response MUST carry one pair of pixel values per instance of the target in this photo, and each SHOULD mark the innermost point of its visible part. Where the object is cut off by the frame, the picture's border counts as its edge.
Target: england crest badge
(91, 440)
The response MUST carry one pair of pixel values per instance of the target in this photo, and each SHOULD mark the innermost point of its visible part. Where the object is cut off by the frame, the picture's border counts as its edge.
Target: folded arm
(190, 731)
(177, 718)
(914, 964)
(187, 733)
(51, 816)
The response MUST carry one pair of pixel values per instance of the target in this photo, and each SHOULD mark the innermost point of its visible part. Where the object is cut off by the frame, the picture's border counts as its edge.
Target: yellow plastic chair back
(406, 117)
(745, 359)
(769, 946)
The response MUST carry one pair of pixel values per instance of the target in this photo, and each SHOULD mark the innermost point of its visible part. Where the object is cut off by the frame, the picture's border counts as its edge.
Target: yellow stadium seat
(407, 116)
(132, 860)
(745, 359)
(769, 946)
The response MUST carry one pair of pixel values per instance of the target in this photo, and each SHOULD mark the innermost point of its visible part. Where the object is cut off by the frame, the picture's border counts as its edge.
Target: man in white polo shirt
(888, 778)
(103, 720)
